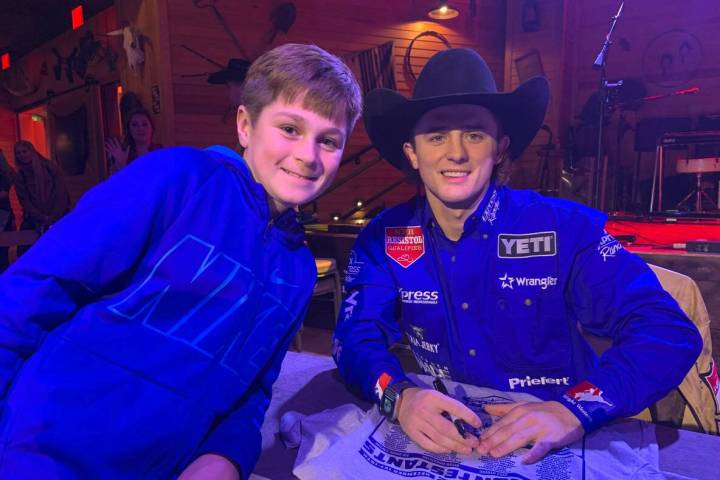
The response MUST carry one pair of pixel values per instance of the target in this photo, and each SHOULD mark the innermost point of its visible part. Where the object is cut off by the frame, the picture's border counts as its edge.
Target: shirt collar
(484, 218)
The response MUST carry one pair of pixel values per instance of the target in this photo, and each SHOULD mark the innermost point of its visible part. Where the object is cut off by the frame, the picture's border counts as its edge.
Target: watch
(391, 399)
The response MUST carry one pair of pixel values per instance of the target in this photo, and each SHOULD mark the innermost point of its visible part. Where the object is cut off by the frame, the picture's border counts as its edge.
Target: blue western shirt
(500, 307)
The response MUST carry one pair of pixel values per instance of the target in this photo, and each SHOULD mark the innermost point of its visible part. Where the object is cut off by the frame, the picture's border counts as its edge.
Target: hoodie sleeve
(237, 437)
(93, 249)
(614, 294)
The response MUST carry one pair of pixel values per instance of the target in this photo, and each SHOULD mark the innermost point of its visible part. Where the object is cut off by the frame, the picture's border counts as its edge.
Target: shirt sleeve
(238, 437)
(368, 325)
(613, 293)
(92, 251)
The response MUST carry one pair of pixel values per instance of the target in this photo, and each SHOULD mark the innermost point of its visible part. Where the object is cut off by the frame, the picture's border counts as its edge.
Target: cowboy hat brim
(389, 117)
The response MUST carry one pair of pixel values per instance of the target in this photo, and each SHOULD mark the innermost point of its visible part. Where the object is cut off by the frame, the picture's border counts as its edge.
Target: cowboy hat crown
(451, 77)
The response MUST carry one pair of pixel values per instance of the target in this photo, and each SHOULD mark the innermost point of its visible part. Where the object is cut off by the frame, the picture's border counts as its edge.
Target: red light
(77, 17)
(5, 61)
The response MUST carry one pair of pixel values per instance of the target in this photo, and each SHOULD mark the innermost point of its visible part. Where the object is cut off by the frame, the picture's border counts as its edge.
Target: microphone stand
(601, 64)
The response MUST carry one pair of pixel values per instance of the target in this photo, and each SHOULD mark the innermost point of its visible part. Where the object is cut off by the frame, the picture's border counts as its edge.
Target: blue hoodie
(147, 327)
(500, 307)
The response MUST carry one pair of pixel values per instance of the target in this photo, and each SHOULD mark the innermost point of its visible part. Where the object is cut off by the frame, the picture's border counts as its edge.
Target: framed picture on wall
(529, 65)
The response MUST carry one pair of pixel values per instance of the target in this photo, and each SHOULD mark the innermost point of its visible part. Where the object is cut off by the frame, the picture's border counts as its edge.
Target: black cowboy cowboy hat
(235, 71)
(454, 76)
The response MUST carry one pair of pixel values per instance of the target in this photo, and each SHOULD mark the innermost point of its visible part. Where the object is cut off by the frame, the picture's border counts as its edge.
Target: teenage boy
(140, 337)
(489, 284)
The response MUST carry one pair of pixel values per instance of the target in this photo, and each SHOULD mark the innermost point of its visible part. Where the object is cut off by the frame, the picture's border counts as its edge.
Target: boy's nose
(306, 151)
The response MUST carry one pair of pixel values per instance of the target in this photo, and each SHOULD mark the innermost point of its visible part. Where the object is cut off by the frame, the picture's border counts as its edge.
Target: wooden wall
(342, 27)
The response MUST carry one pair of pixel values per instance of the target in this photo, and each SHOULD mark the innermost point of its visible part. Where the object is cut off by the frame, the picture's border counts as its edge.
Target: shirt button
(501, 304)
(452, 259)
(528, 302)
(472, 352)
(485, 236)
(465, 306)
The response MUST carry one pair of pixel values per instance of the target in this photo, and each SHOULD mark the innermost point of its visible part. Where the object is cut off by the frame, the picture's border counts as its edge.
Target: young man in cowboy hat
(489, 283)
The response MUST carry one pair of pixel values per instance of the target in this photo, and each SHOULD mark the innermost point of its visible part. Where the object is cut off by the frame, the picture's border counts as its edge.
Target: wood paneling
(343, 27)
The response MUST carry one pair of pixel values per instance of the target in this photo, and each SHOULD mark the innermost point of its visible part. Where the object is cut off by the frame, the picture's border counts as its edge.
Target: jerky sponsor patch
(536, 244)
(405, 245)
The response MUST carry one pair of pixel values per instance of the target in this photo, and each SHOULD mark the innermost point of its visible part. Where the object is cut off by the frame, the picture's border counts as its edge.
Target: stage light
(5, 61)
(359, 203)
(443, 11)
(335, 217)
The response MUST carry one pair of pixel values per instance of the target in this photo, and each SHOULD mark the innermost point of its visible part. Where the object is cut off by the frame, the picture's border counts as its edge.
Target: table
(308, 383)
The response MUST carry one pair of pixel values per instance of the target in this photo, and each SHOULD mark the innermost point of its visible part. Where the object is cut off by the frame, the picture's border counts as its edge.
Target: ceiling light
(443, 11)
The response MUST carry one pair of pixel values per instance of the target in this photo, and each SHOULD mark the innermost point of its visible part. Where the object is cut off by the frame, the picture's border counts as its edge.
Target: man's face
(293, 152)
(455, 152)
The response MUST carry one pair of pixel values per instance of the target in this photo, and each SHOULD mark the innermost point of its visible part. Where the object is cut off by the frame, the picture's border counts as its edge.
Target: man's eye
(475, 136)
(438, 138)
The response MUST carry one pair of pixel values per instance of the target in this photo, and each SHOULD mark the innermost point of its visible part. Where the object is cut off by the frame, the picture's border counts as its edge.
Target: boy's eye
(330, 143)
(290, 129)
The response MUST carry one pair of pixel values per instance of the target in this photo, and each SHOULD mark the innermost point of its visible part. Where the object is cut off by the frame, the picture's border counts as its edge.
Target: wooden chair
(327, 285)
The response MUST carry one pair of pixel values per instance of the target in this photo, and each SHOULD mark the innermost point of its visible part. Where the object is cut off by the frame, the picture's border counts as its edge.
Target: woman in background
(40, 187)
(7, 220)
(139, 131)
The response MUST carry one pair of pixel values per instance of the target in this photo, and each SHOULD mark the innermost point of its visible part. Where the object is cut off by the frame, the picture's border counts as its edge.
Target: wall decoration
(374, 67)
(133, 41)
(672, 58)
(16, 82)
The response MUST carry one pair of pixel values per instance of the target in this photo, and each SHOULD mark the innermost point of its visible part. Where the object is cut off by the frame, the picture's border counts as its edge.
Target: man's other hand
(544, 425)
(421, 418)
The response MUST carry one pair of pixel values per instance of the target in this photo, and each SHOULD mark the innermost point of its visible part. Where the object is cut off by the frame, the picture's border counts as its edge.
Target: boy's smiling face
(293, 152)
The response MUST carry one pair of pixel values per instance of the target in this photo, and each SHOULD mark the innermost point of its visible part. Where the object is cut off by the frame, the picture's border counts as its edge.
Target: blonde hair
(295, 71)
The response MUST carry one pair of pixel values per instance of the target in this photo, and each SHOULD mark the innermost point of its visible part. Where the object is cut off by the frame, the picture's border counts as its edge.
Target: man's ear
(244, 126)
(410, 154)
(503, 146)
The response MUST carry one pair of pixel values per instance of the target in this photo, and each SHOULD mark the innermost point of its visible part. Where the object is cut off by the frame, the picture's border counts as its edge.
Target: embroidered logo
(354, 267)
(490, 213)
(421, 297)
(405, 245)
(382, 382)
(507, 281)
(417, 338)
(587, 392)
(537, 244)
(608, 246)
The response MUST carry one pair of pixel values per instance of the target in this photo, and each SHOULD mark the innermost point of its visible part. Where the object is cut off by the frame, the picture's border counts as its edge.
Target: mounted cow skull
(132, 43)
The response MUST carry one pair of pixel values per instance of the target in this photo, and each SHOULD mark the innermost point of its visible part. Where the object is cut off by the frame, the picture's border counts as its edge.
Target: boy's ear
(244, 126)
(410, 154)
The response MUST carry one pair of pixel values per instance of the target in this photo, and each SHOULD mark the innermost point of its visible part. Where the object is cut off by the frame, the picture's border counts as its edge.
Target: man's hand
(210, 466)
(544, 425)
(420, 417)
